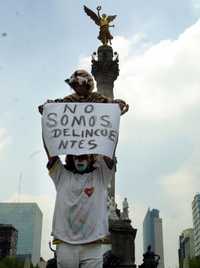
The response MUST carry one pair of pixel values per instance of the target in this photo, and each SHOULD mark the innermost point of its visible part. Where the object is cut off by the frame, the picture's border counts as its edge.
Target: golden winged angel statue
(103, 21)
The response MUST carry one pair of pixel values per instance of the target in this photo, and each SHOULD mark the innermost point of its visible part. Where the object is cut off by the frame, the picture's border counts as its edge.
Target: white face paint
(81, 165)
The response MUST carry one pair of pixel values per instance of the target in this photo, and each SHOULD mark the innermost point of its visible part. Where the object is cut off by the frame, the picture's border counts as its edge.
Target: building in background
(27, 219)
(186, 248)
(8, 240)
(153, 234)
(196, 223)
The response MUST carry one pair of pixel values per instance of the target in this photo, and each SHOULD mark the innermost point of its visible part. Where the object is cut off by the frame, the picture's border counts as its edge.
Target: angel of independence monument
(105, 69)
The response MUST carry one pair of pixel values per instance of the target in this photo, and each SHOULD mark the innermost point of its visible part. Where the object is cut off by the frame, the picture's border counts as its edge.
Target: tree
(13, 262)
(194, 262)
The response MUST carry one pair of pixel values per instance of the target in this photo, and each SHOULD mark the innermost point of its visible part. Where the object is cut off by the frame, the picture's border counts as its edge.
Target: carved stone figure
(150, 259)
(112, 207)
(103, 21)
(125, 213)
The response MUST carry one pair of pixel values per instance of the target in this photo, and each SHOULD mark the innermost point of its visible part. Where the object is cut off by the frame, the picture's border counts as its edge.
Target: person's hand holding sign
(41, 107)
(124, 107)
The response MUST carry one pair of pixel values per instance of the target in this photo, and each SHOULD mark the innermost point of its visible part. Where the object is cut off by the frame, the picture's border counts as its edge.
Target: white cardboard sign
(81, 128)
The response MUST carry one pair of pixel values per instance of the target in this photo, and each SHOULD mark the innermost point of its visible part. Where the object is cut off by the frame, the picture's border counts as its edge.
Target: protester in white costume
(80, 221)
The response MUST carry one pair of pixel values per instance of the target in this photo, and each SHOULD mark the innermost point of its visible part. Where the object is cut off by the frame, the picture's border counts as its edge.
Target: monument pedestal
(123, 242)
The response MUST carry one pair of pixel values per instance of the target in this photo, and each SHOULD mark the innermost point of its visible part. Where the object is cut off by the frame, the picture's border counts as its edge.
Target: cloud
(46, 204)
(180, 186)
(4, 138)
(135, 45)
(84, 63)
(163, 81)
(196, 6)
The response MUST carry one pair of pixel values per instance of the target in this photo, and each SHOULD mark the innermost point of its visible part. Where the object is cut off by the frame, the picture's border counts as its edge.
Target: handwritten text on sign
(81, 128)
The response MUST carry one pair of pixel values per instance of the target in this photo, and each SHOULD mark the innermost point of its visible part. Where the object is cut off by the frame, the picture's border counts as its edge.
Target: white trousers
(79, 256)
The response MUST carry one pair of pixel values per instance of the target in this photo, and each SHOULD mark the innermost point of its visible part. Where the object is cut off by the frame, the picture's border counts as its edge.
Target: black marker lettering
(63, 145)
(96, 132)
(82, 133)
(56, 132)
(52, 120)
(70, 108)
(104, 132)
(79, 121)
(66, 132)
(92, 121)
(81, 142)
(113, 135)
(74, 134)
(106, 123)
(92, 144)
(64, 120)
(89, 108)
(89, 132)
(73, 142)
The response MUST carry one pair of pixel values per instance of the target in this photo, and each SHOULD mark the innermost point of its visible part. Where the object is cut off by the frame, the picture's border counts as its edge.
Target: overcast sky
(43, 42)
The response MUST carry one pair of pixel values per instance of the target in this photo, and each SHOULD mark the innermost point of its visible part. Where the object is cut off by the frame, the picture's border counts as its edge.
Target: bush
(12, 262)
(194, 262)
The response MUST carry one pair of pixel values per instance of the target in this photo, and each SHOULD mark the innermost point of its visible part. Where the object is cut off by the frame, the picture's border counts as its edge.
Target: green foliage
(2, 265)
(12, 262)
(194, 262)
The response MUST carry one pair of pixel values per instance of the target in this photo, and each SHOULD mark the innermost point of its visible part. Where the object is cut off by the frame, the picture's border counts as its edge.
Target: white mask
(81, 166)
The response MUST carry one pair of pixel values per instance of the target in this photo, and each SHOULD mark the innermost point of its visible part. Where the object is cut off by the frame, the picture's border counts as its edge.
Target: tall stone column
(105, 69)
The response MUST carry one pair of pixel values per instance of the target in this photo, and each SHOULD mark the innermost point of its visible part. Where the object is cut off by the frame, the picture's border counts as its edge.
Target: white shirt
(80, 214)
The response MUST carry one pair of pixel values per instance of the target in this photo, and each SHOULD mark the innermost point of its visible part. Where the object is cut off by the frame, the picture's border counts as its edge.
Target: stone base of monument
(123, 242)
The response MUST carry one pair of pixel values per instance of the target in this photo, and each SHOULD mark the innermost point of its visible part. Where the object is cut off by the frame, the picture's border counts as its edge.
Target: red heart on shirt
(89, 191)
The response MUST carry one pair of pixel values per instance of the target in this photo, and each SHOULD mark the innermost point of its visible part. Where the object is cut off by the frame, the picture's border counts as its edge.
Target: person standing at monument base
(80, 221)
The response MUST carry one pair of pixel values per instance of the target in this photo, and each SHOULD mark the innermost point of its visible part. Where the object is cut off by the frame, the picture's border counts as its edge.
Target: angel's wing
(111, 18)
(92, 15)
